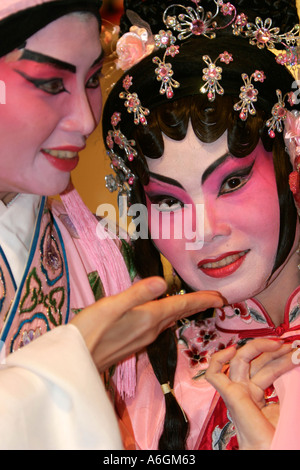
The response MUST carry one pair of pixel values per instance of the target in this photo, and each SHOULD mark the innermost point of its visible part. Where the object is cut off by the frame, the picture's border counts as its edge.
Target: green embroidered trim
(76, 310)
(96, 285)
(127, 253)
(34, 296)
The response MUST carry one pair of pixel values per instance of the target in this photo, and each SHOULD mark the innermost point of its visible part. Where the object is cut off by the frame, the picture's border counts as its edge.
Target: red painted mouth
(224, 265)
(63, 158)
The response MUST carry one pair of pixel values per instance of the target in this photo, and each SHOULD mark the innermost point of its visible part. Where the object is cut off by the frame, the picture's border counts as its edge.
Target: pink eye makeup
(167, 194)
(236, 180)
(50, 74)
(53, 86)
(94, 80)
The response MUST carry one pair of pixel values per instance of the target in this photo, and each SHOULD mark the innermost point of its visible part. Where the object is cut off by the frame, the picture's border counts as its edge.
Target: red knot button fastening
(279, 330)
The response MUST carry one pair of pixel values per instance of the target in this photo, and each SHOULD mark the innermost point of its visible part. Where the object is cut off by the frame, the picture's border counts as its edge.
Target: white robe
(51, 394)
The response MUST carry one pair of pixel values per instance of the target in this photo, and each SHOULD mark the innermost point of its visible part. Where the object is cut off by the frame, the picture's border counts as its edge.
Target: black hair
(16, 28)
(209, 120)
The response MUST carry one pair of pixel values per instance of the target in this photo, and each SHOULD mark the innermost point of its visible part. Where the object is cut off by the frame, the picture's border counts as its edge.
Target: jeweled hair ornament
(196, 21)
(213, 74)
(124, 177)
(133, 104)
(248, 94)
(249, 83)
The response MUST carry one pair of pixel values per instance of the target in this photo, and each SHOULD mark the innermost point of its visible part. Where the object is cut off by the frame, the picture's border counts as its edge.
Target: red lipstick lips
(63, 158)
(224, 265)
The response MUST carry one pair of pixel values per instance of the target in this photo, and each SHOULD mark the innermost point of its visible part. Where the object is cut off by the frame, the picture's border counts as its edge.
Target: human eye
(165, 203)
(235, 181)
(94, 80)
(52, 86)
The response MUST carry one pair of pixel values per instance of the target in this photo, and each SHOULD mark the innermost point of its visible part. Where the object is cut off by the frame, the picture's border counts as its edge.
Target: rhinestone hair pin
(248, 95)
(213, 74)
(196, 21)
(183, 23)
(191, 21)
(123, 179)
(262, 34)
(133, 104)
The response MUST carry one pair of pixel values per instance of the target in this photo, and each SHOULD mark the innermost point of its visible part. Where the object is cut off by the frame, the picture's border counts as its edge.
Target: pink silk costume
(58, 281)
(210, 426)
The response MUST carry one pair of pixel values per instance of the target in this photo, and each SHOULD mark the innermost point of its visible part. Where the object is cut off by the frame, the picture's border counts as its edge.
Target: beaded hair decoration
(195, 21)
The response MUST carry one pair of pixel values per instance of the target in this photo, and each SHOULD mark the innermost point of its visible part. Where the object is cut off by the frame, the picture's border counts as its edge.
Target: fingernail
(157, 285)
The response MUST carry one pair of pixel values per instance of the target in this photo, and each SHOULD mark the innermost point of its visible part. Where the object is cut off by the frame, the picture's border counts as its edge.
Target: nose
(80, 116)
(214, 224)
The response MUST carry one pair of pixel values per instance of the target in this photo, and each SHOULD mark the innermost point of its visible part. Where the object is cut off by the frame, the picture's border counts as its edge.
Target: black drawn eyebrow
(214, 166)
(45, 59)
(166, 179)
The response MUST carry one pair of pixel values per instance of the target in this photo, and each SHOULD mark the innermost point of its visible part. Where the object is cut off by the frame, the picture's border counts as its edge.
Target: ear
(292, 136)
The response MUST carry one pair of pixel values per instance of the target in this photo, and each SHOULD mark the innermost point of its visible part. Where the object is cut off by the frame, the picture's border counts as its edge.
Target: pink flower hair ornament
(135, 45)
(191, 23)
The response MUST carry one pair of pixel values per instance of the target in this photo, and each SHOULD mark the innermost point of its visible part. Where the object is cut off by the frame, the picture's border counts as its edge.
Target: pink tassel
(102, 248)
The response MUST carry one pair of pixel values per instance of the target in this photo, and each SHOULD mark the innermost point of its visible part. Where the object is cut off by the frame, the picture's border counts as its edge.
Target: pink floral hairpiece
(262, 34)
(279, 113)
(248, 95)
(193, 21)
(133, 103)
(196, 21)
(123, 178)
(134, 46)
(212, 74)
(163, 71)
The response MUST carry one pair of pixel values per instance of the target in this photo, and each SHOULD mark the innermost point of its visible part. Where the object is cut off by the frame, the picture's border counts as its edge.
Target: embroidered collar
(250, 319)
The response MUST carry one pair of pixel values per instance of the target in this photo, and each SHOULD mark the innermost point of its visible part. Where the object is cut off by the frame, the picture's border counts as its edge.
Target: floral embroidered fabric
(234, 324)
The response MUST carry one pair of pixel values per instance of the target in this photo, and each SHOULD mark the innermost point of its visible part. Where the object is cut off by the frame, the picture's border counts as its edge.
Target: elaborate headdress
(20, 19)
(233, 53)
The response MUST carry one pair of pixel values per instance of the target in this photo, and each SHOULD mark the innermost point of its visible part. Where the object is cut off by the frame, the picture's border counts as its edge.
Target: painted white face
(53, 103)
(239, 200)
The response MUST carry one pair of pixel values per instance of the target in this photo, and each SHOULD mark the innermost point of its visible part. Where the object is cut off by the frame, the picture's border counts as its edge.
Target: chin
(58, 189)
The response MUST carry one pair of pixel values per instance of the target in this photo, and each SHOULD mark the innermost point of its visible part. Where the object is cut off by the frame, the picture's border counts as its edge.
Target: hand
(117, 326)
(253, 368)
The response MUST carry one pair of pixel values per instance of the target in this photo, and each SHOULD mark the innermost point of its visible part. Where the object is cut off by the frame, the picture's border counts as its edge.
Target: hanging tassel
(101, 247)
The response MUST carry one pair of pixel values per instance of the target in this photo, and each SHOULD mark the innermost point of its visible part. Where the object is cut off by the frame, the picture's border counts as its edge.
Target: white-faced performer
(52, 264)
(197, 122)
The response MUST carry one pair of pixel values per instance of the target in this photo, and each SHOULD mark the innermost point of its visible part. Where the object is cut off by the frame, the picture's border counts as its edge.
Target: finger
(264, 358)
(137, 327)
(214, 374)
(240, 364)
(139, 293)
(273, 370)
(173, 308)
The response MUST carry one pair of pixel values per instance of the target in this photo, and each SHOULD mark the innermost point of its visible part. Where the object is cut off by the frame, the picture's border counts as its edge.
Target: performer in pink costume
(53, 266)
(194, 128)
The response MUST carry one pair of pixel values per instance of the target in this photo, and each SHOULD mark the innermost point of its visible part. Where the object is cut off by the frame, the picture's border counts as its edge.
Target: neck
(275, 296)
(7, 197)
